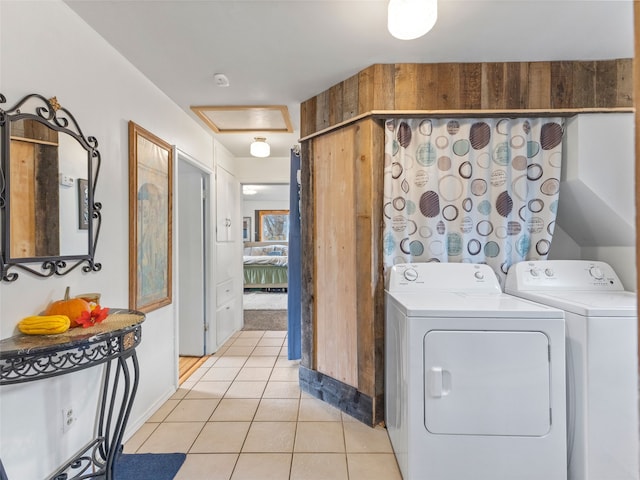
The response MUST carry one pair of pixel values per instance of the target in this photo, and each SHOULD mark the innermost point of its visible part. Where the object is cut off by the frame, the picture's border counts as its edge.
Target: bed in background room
(265, 264)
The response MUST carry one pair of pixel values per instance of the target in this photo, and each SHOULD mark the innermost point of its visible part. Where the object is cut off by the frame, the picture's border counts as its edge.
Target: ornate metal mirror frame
(36, 124)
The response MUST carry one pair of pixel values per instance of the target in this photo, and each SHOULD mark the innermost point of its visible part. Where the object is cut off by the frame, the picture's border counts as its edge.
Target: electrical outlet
(68, 419)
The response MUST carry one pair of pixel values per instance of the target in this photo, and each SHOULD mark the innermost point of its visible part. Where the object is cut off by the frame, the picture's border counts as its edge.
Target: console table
(113, 342)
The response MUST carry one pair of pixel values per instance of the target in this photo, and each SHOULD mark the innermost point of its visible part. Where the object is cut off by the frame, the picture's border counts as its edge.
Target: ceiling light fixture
(260, 147)
(248, 190)
(410, 19)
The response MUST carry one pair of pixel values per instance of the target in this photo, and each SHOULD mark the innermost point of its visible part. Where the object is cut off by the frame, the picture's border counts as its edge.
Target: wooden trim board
(340, 395)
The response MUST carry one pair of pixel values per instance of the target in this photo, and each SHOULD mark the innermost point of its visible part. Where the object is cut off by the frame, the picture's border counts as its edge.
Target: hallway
(242, 416)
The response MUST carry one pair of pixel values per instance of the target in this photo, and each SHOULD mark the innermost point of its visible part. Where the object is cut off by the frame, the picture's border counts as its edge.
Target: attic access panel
(244, 119)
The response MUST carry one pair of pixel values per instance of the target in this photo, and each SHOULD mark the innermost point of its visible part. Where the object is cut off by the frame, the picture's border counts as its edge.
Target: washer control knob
(596, 273)
(548, 272)
(534, 272)
(479, 275)
(411, 275)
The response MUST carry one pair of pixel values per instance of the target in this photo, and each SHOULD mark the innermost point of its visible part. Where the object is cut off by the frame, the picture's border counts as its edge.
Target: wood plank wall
(564, 85)
(307, 234)
(370, 292)
(335, 261)
(343, 290)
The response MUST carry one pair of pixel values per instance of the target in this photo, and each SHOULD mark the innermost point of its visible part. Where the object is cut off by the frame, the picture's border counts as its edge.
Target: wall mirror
(49, 222)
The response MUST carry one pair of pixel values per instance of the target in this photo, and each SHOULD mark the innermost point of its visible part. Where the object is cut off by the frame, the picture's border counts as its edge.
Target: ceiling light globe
(410, 19)
(260, 148)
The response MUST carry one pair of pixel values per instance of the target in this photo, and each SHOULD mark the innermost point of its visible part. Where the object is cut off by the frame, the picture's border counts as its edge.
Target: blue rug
(148, 466)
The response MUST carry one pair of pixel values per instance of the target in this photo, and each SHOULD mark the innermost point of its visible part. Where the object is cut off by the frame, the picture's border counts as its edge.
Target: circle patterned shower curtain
(471, 190)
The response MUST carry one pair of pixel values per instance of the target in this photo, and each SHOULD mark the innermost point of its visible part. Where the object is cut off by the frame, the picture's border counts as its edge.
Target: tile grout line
(344, 440)
(295, 435)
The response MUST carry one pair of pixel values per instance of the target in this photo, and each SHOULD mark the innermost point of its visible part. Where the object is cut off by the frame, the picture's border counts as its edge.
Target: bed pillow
(281, 250)
(267, 250)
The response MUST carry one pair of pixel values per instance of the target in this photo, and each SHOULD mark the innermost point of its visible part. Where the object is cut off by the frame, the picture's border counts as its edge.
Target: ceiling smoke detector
(221, 80)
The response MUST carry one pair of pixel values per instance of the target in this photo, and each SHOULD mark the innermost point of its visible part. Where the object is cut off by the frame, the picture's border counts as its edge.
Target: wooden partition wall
(342, 188)
(342, 281)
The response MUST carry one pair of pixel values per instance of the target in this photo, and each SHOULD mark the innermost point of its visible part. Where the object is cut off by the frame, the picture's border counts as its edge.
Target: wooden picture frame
(273, 225)
(150, 220)
(246, 229)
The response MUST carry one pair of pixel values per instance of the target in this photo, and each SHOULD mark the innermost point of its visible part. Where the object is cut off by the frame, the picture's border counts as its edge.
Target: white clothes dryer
(475, 379)
(602, 361)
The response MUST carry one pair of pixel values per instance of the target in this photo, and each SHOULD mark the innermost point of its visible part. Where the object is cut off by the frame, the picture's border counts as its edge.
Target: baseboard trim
(342, 396)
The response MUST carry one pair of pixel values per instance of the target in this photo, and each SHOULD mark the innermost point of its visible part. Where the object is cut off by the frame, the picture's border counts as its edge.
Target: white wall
(71, 162)
(46, 48)
(596, 212)
(563, 246)
(262, 170)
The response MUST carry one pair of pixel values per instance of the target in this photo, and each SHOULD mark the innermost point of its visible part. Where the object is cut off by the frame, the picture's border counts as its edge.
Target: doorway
(264, 207)
(193, 251)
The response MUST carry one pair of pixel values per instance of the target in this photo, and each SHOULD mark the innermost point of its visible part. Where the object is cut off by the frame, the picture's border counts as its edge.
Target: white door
(191, 260)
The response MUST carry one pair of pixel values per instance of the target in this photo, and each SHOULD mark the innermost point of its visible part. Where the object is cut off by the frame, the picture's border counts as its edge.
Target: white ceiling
(284, 52)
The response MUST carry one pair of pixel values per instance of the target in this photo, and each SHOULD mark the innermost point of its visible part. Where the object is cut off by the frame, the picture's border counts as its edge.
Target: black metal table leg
(112, 343)
(111, 427)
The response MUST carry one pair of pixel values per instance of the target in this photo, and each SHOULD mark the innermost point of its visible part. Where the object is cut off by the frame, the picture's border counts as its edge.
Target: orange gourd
(71, 307)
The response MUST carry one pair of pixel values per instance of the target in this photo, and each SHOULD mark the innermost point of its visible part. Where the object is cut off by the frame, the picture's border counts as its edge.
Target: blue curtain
(295, 260)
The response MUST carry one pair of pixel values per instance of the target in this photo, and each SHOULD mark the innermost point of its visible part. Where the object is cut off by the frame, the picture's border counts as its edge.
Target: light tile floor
(242, 416)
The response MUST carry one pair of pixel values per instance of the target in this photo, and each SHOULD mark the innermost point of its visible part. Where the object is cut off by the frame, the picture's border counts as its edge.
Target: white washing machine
(475, 379)
(602, 361)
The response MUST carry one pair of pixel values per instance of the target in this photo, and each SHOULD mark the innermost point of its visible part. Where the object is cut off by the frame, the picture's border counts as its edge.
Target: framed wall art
(273, 225)
(150, 220)
(246, 229)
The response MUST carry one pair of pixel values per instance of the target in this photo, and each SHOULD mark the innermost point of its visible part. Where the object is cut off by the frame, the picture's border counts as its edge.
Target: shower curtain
(471, 190)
